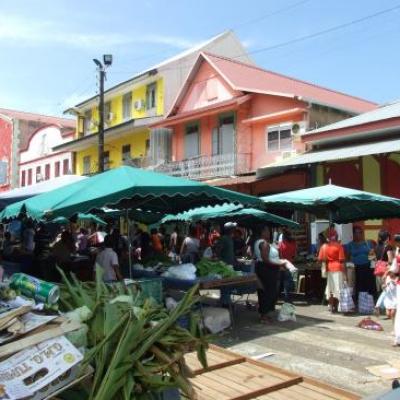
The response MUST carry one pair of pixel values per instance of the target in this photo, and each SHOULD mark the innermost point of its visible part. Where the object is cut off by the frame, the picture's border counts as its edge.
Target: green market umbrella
(145, 217)
(81, 217)
(343, 204)
(245, 216)
(126, 188)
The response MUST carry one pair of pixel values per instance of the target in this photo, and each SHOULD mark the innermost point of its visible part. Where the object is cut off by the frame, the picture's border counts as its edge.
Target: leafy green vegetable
(135, 348)
(207, 267)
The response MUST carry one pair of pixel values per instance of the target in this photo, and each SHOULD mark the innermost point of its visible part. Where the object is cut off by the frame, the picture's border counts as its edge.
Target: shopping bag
(346, 303)
(323, 270)
(380, 268)
(287, 312)
(365, 303)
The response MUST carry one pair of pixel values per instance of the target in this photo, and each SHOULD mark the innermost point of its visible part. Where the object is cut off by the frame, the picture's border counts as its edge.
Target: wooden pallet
(230, 376)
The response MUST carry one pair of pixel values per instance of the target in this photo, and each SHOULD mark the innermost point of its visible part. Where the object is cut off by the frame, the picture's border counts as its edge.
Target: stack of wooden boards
(36, 359)
(20, 328)
(230, 376)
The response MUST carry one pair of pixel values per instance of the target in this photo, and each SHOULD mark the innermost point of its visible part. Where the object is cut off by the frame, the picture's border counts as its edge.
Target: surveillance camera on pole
(107, 61)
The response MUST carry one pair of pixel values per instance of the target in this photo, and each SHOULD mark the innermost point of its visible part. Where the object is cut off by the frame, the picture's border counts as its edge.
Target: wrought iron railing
(203, 167)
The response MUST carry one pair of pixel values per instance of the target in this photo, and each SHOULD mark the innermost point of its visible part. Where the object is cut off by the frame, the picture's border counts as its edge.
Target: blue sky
(47, 46)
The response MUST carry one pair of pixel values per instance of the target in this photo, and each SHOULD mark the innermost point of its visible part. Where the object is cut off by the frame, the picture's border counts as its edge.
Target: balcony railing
(203, 167)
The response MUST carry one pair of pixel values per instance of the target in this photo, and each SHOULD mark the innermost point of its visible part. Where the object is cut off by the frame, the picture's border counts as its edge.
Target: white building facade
(38, 162)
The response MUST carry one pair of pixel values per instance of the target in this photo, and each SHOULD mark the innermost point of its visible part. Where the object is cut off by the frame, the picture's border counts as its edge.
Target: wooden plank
(215, 358)
(35, 338)
(255, 369)
(268, 389)
(236, 386)
(305, 393)
(205, 393)
(204, 381)
(338, 393)
(252, 379)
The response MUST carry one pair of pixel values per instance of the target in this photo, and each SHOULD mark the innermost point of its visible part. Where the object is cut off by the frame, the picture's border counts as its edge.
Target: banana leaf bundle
(136, 348)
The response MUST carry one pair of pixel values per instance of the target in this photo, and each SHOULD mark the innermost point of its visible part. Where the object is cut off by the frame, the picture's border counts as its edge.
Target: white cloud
(20, 31)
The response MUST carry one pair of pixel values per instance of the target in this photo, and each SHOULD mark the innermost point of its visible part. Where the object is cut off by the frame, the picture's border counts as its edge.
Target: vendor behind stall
(225, 250)
(268, 265)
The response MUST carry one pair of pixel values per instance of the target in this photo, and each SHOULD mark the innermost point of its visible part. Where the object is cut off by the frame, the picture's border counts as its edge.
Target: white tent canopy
(25, 192)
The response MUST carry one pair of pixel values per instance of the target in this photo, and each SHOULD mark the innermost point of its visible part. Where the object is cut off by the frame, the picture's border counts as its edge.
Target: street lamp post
(107, 61)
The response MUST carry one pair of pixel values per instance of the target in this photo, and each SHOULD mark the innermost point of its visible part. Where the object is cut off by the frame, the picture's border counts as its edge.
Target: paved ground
(321, 345)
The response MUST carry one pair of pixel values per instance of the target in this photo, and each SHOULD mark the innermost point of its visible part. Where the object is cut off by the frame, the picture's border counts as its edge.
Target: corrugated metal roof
(250, 78)
(342, 153)
(385, 111)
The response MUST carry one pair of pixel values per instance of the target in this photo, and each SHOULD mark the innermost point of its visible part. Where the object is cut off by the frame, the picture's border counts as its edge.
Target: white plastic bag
(216, 319)
(183, 271)
(287, 313)
(208, 253)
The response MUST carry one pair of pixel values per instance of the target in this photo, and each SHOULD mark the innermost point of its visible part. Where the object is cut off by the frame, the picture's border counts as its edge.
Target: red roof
(249, 78)
(62, 122)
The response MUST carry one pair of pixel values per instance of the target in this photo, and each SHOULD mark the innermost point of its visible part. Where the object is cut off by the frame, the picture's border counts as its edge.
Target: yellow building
(133, 105)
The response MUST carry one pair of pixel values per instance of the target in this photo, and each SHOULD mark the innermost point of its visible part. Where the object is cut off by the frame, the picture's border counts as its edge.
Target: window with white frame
(151, 96)
(192, 140)
(279, 137)
(127, 106)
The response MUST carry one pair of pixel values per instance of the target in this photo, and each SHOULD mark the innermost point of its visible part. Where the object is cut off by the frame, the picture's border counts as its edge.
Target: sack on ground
(287, 313)
(216, 319)
(370, 324)
(365, 303)
(346, 303)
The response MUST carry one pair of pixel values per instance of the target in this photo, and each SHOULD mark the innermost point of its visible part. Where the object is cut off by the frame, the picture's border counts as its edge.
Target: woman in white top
(268, 265)
(190, 247)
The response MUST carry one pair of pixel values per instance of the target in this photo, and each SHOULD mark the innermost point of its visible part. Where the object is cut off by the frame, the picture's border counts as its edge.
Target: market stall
(341, 206)
(125, 188)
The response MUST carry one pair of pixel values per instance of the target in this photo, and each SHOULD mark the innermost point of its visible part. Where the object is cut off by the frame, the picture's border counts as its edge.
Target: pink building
(231, 118)
(38, 162)
(5, 152)
(17, 129)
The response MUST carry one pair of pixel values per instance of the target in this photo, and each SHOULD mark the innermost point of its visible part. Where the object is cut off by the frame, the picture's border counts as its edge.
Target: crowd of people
(38, 247)
(376, 266)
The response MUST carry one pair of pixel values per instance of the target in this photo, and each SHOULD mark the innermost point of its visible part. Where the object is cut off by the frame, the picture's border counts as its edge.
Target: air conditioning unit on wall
(299, 128)
(139, 105)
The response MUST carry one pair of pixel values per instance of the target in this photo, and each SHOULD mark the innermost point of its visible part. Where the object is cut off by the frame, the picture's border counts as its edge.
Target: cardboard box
(39, 370)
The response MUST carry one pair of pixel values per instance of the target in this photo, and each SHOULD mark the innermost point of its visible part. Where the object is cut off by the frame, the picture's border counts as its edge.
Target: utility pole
(107, 61)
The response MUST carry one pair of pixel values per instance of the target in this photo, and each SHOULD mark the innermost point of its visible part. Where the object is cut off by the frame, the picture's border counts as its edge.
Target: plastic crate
(151, 288)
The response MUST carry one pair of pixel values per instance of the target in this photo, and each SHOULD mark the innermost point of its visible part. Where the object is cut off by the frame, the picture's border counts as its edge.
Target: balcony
(206, 167)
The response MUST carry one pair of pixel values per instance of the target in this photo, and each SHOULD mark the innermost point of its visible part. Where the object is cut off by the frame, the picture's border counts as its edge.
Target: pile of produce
(136, 348)
(206, 267)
